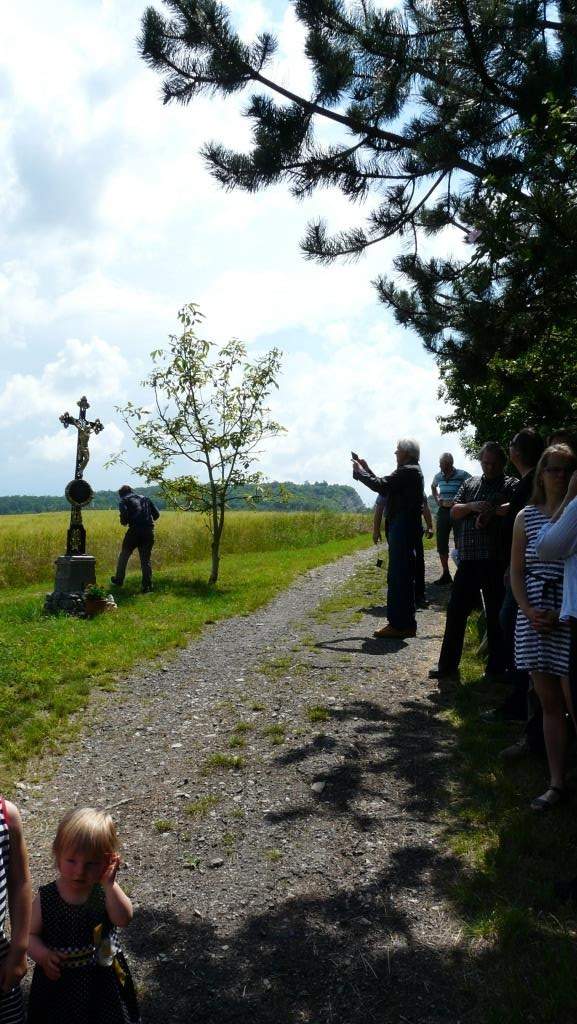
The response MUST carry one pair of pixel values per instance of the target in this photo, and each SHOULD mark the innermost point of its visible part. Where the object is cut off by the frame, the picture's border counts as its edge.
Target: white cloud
(249, 303)
(110, 222)
(95, 367)
(61, 446)
(101, 294)
(95, 363)
(361, 396)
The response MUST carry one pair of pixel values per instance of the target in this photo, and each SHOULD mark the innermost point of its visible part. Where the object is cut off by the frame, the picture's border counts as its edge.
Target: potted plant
(95, 599)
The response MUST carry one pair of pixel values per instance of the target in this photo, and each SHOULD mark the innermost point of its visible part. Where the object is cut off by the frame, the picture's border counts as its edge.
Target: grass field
(526, 938)
(30, 543)
(48, 665)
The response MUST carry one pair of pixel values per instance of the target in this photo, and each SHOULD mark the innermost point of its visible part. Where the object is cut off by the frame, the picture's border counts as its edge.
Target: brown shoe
(389, 632)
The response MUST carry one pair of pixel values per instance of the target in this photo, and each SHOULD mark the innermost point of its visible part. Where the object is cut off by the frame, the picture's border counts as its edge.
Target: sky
(110, 222)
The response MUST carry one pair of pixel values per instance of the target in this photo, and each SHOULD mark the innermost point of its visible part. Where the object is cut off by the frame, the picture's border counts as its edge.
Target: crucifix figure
(79, 492)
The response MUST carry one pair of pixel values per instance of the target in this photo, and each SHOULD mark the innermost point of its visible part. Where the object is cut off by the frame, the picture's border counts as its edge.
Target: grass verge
(525, 940)
(48, 665)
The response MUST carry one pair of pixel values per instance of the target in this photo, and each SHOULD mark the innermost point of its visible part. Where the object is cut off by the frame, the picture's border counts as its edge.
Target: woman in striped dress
(16, 897)
(542, 642)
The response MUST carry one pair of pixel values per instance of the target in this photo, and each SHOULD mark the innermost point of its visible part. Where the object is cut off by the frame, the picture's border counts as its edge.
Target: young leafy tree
(452, 113)
(209, 409)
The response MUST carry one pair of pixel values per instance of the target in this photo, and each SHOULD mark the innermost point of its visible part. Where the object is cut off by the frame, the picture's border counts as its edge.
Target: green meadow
(48, 665)
(30, 543)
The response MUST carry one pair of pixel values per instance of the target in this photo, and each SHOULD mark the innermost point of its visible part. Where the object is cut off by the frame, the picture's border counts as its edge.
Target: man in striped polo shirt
(444, 488)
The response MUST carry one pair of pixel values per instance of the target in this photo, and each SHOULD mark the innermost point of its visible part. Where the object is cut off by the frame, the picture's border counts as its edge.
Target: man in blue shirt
(444, 488)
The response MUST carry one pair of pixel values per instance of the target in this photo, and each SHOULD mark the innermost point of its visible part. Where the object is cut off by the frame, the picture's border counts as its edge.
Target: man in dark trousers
(525, 450)
(403, 489)
(482, 559)
(138, 513)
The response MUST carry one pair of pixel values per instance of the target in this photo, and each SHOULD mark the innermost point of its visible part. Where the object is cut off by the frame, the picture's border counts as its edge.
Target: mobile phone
(354, 456)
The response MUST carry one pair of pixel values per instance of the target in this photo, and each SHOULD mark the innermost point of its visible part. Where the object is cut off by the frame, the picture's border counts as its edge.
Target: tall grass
(30, 543)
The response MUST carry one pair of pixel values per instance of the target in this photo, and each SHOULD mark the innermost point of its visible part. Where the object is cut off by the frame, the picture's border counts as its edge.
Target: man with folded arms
(479, 506)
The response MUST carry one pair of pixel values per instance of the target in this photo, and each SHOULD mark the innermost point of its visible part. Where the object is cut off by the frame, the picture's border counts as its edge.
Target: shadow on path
(359, 645)
(351, 958)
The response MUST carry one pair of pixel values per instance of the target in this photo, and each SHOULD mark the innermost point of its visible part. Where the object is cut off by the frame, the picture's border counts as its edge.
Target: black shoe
(422, 603)
(117, 583)
(147, 590)
(436, 673)
(444, 581)
(516, 751)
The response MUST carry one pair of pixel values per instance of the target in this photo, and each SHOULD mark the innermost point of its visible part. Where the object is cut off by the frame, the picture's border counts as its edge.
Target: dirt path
(278, 788)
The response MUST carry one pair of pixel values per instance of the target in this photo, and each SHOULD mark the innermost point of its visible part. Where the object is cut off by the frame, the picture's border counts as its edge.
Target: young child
(16, 895)
(81, 976)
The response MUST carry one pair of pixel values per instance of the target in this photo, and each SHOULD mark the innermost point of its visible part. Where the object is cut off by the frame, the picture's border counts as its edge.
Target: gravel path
(278, 787)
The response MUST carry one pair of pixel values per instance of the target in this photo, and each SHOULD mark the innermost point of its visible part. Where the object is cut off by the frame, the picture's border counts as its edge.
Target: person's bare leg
(551, 695)
(568, 698)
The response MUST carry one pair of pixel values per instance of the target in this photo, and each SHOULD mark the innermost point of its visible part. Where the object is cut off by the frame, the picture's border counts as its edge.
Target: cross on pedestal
(75, 570)
(78, 491)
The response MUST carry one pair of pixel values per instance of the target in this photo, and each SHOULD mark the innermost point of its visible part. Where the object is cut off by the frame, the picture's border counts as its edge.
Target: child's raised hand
(51, 963)
(12, 970)
(108, 876)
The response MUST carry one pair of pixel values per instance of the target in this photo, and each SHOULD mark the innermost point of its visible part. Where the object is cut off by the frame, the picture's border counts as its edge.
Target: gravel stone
(331, 902)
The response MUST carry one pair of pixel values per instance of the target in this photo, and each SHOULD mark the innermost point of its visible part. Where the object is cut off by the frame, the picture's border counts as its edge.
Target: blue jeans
(403, 535)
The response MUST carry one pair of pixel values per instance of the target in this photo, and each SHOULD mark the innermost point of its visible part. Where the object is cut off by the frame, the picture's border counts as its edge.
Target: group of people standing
(516, 558)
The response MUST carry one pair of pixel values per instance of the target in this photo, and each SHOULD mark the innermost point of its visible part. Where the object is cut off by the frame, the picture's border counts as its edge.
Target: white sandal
(550, 798)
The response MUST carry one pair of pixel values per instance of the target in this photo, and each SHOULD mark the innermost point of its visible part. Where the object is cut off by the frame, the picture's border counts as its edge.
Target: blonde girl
(81, 976)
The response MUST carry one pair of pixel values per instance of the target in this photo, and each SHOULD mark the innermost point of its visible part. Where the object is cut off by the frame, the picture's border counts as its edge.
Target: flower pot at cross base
(95, 605)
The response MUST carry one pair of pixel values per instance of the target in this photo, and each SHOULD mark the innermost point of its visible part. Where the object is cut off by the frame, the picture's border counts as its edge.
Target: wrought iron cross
(79, 492)
(85, 428)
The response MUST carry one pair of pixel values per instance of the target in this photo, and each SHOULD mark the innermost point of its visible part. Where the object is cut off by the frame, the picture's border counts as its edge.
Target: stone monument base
(73, 574)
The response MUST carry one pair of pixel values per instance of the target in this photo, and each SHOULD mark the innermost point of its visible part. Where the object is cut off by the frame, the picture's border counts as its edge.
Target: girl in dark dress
(81, 976)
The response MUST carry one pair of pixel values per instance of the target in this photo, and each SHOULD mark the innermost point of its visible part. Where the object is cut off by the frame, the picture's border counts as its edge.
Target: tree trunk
(215, 548)
(217, 525)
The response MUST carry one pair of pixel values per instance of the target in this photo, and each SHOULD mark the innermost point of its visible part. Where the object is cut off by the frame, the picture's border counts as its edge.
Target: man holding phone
(404, 491)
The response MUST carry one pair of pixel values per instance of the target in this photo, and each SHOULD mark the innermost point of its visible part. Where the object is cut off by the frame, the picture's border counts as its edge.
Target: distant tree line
(283, 497)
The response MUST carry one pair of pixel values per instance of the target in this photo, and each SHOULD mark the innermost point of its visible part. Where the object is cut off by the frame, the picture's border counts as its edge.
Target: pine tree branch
(484, 75)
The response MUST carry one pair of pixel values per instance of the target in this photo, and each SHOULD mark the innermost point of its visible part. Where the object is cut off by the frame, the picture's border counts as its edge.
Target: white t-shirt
(559, 540)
